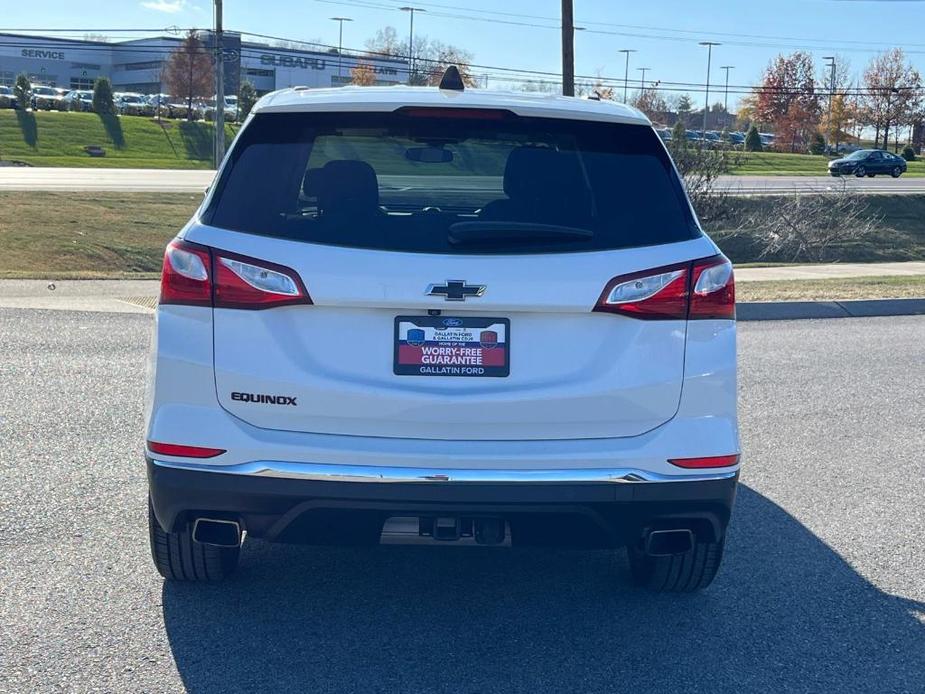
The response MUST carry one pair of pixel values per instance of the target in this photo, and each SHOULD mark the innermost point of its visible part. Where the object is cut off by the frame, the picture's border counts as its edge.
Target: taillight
(713, 294)
(696, 290)
(658, 294)
(706, 462)
(183, 451)
(185, 278)
(197, 275)
(242, 282)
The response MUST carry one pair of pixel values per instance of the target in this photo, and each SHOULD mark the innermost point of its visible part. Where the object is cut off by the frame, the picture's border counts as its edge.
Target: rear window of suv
(445, 181)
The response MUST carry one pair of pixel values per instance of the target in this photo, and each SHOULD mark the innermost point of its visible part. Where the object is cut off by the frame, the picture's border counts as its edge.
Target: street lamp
(626, 72)
(828, 130)
(340, 41)
(706, 98)
(643, 70)
(727, 68)
(411, 10)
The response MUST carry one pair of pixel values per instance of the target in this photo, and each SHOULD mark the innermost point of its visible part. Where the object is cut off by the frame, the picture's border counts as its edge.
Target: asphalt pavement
(186, 181)
(821, 590)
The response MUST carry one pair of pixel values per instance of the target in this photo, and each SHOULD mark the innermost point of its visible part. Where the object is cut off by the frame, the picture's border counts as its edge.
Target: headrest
(536, 172)
(348, 186)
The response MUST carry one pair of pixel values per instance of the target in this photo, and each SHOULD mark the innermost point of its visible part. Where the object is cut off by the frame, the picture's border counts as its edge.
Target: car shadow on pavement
(785, 614)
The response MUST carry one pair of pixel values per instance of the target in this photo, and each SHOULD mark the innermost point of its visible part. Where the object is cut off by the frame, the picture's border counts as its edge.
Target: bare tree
(894, 92)
(188, 73)
(363, 75)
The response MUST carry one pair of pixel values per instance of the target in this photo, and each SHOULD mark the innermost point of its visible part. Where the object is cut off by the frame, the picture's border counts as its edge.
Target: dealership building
(137, 65)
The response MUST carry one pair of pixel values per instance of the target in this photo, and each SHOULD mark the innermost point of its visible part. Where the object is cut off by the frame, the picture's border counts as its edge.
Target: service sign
(452, 346)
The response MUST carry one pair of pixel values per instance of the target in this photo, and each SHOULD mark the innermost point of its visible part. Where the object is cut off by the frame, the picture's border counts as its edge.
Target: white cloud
(168, 6)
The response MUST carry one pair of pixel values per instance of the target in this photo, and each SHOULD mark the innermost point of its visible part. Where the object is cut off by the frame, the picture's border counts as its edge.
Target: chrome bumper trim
(322, 472)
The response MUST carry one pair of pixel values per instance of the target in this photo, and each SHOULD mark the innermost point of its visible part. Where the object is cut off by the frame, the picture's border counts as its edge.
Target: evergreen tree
(753, 140)
(102, 96)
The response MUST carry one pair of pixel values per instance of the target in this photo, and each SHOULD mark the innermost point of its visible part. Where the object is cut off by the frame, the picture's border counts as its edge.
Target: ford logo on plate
(452, 322)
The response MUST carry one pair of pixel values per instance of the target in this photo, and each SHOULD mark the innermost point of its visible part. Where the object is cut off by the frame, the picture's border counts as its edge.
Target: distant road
(183, 181)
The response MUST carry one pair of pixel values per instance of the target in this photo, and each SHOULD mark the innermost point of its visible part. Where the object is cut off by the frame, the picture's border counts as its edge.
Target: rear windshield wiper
(489, 232)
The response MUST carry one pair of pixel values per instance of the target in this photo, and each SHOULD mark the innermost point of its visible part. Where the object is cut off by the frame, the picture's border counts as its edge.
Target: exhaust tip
(663, 543)
(217, 531)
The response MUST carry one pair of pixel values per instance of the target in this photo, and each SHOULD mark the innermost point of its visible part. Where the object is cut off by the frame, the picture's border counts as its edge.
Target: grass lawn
(57, 139)
(74, 235)
(833, 289)
(781, 164)
(88, 235)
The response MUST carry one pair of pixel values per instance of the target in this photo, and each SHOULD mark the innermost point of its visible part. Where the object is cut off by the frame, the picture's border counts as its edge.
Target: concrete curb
(801, 310)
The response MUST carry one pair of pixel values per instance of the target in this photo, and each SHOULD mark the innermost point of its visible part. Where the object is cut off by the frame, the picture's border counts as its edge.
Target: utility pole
(829, 129)
(340, 42)
(568, 49)
(727, 68)
(412, 10)
(706, 98)
(219, 87)
(626, 71)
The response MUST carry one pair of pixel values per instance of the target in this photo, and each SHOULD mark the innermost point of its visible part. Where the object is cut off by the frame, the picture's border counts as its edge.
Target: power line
(496, 72)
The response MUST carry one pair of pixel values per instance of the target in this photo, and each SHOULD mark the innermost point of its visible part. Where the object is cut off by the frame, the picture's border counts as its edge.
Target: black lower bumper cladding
(324, 512)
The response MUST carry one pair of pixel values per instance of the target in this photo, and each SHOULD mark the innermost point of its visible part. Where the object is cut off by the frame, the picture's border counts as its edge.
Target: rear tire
(860, 172)
(178, 558)
(680, 573)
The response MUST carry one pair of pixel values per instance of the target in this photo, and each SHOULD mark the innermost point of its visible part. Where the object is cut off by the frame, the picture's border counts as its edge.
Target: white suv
(454, 315)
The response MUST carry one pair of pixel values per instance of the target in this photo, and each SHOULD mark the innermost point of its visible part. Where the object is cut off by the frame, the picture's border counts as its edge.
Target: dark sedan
(868, 162)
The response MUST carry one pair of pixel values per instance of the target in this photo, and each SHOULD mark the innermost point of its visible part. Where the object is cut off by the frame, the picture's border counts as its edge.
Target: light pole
(706, 98)
(643, 70)
(727, 68)
(411, 10)
(219, 86)
(828, 130)
(626, 72)
(340, 41)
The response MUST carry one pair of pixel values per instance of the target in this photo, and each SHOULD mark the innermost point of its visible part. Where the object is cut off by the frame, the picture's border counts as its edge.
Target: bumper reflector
(183, 451)
(712, 461)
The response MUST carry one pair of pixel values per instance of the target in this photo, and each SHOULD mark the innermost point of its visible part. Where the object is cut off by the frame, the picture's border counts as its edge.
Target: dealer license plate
(452, 346)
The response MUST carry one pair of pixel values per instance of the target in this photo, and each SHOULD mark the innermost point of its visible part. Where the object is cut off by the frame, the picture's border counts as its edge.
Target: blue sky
(521, 33)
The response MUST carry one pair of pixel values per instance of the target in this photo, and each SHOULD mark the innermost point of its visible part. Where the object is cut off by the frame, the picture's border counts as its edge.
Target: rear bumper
(306, 502)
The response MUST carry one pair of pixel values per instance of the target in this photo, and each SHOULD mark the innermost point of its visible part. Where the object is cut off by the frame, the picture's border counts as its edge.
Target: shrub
(22, 90)
(679, 135)
(102, 96)
(908, 153)
(817, 146)
(753, 140)
(806, 226)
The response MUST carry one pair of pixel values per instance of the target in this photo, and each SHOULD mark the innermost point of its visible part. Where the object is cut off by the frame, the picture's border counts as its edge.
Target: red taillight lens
(197, 275)
(658, 294)
(697, 290)
(183, 451)
(242, 282)
(185, 277)
(713, 293)
(710, 461)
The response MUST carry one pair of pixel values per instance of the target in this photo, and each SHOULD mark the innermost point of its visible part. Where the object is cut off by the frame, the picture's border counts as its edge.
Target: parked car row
(710, 138)
(45, 98)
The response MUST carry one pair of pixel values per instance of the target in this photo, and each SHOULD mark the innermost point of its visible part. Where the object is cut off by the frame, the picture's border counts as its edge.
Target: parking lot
(822, 589)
